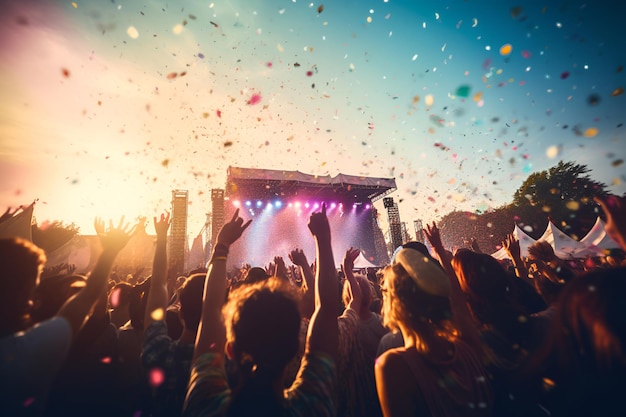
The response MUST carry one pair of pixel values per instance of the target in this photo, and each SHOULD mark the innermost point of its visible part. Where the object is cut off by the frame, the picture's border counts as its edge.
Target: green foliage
(563, 194)
(51, 236)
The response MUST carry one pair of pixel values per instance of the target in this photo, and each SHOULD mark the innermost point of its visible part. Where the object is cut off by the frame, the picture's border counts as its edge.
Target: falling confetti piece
(526, 54)
(369, 19)
(132, 32)
(309, 73)
(506, 49)
(617, 162)
(553, 151)
(218, 113)
(255, 99)
(178, 29)
(320, 8)
(29, 401)
(463, 91)
(157, 377)
(214, 24)
(591, 132)
(114, 298)
(429, 100)
(618, 91)
(572, 205)
(478, 96)
(165, 162)
(74, 5)
(564, 75)
(65, 72)
(106, 359)
(228, 144)
(171, 75)
(157, 314)
(593, 100)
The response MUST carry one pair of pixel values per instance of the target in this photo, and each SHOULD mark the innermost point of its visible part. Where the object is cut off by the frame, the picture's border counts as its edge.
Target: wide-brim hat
(428, 276)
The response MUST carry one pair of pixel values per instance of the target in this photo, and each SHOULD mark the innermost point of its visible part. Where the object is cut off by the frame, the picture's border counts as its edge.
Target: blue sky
(108, 106)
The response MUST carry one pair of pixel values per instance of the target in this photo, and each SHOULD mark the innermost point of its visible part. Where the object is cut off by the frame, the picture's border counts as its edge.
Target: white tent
(565, 247)
(524, 242)
(361, 262)
(597, 236)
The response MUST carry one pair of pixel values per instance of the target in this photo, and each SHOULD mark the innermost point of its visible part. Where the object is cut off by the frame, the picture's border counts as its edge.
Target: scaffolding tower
(382, 255)
(419, 230)
(217, 215)
(178, 229)
(395, 225)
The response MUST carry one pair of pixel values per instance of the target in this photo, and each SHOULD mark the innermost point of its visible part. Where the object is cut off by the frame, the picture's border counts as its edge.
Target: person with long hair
(438, 371)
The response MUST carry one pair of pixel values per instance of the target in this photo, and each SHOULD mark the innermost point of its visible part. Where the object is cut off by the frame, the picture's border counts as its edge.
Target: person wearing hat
(438, 371)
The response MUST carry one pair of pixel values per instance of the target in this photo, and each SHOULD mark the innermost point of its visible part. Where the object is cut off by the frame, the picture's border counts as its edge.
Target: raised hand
(614, 208)
(232, 230)
(348, 260)
(114, 238)
(318, 224)
(297, 257)
(280, 269)
(162, 225)
(433, 236)
(511, 246)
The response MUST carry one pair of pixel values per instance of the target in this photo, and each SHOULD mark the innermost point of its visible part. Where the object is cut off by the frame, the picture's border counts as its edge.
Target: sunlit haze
(108, 106)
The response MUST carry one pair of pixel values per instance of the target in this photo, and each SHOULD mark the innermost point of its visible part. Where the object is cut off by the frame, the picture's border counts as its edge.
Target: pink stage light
(237, 203)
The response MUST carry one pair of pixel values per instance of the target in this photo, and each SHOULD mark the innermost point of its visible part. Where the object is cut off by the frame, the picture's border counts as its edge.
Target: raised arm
(113, 240)
(460, 311)
(512, 247)
(323, 333)
(158, 296)
(614, 208)
(299, 259)
(356, 295)
(211, 332)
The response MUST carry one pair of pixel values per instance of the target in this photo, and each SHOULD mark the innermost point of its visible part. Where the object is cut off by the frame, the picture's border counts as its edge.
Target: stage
(280, 203)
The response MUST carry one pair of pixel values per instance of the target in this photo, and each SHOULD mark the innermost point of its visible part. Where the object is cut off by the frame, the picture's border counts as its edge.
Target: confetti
(618, 91)
(591, 132)
(65, 72)
(506, 49)
(254, 99)
(429, 100)
(320, 8)
(114, 298)
(553, 151)
(617, 162)
(156, 377)
(132, 32)
(228, 144)
(463, 91)
(157, 314)
(572, 205)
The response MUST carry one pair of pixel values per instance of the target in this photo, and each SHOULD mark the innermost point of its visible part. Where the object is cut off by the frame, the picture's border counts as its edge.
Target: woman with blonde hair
(438, 371)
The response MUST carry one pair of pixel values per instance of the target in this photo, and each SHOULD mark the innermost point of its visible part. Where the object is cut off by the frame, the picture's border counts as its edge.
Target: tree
(563, 194)
(52, 235)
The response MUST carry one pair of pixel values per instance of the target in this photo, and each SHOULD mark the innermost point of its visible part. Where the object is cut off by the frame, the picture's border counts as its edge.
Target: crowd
(431, 334)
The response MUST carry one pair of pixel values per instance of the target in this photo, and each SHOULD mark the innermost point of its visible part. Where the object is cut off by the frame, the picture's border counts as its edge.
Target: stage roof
(257, 183)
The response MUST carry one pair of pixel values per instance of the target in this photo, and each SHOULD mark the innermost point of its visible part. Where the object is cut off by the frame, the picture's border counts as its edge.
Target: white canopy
(565, 247)
(593, 244)
(524, 242)
(361, 262)
(597, 236)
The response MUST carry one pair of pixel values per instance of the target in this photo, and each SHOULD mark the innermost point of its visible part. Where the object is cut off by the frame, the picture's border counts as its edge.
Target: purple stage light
(259, 203)
(368, 206)
(248, 203)
(278, 204)
(306, 205)
(316, 205)
(333, 205)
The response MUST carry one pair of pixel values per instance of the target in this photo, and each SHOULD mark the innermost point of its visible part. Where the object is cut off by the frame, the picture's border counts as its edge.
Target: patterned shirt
(170, 361)
(312, 393)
